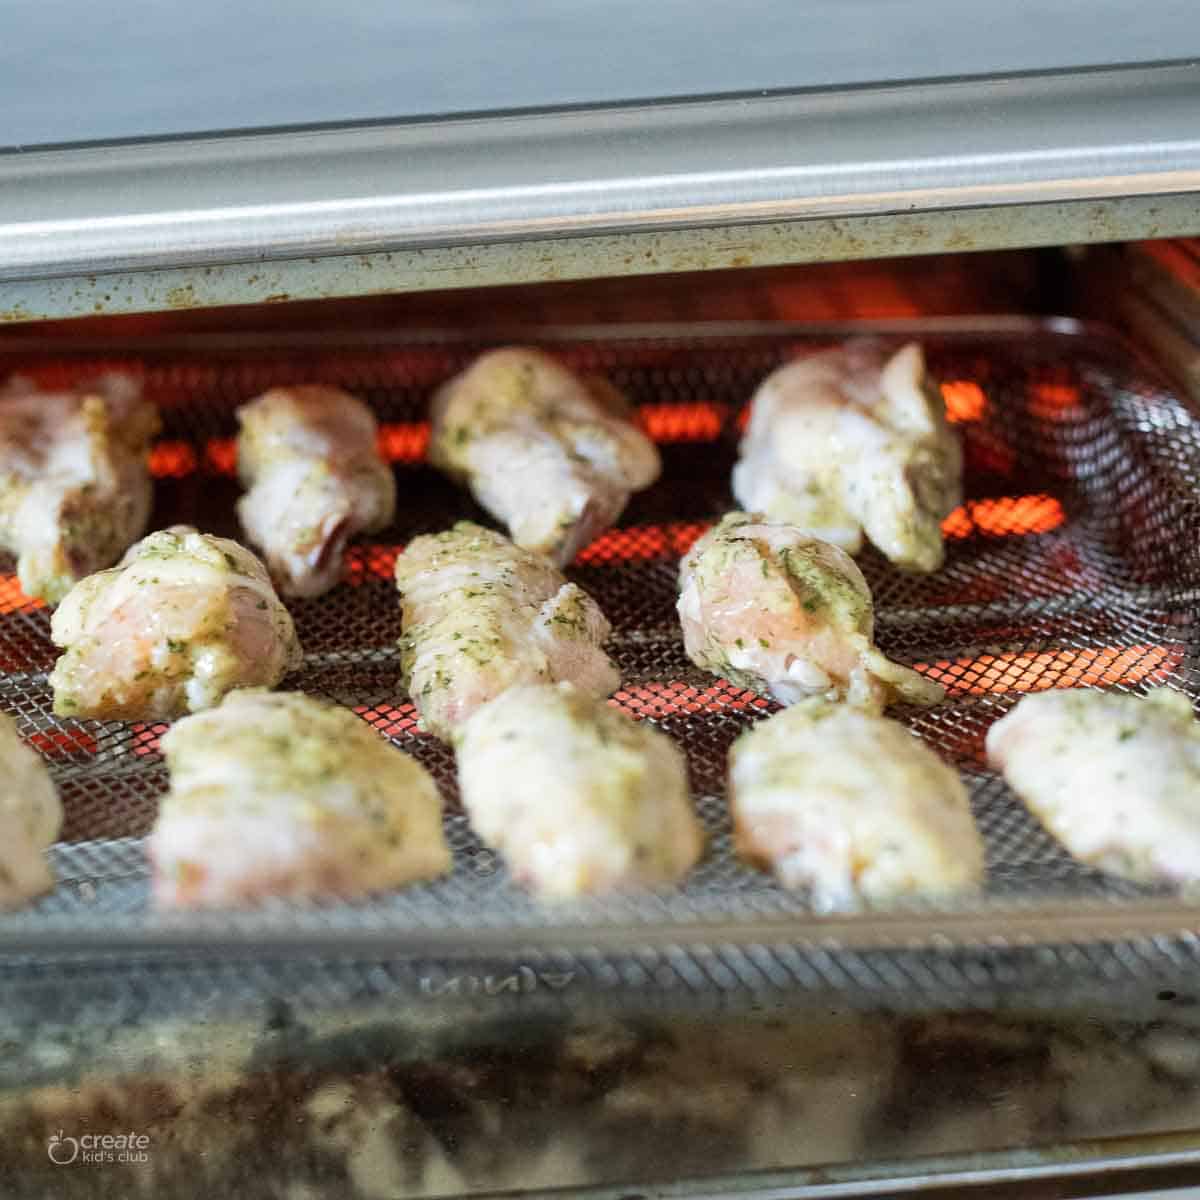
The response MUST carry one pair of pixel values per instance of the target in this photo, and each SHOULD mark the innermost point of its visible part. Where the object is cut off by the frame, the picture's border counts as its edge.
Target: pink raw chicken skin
(182, 620)
(1116, 778)
(578, 797)
(276, 794)
(315, 479)
(30, 819)
(851, 806)
(553, 456)
(853, 441)
(771, 609)
(75, 490)
(482, 615)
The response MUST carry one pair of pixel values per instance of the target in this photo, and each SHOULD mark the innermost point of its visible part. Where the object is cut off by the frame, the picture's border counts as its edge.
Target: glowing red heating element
(68, 374)
(409, 441)
(391, 720)
(671, 698)
(403, 442)
(965, 401)
(640, 543)
(61, 743)
(220, 456)
(1005, 516)
(146, 736)
(363, 562)
(682, 422)
(1039, 671)
(1051, 396)
(172, 460)
(12, 599)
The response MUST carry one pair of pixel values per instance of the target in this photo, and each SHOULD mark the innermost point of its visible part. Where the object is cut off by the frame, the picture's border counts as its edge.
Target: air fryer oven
(1029, 220)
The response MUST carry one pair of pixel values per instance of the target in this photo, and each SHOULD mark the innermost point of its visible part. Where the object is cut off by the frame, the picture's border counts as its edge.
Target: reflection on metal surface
(434, 268)
(501, 1078)
(968, 143)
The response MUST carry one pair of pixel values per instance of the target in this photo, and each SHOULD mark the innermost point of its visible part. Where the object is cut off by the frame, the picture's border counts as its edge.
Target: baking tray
(1074, 561)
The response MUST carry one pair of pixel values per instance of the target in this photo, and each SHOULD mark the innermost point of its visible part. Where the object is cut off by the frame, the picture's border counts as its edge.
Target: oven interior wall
(1001, 282)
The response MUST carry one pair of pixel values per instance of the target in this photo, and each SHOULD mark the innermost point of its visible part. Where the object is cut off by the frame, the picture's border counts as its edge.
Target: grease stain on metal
(183, 296)
(638, 253)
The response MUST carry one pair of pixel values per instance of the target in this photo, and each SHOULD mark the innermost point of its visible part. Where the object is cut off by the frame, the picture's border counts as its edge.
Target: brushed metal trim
(931, 147)
(658, 251)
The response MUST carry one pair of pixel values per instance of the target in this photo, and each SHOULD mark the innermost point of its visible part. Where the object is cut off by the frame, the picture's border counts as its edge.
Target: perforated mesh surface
(1075, 561)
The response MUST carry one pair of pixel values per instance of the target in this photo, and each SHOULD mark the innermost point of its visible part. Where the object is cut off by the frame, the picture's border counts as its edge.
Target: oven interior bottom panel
(1074, 561)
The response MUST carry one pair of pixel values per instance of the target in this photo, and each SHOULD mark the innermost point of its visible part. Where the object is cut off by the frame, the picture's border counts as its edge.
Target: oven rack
(1074, 561)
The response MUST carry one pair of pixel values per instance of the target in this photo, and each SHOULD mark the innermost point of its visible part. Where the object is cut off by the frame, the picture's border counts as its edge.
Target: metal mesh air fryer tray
(1075, 561)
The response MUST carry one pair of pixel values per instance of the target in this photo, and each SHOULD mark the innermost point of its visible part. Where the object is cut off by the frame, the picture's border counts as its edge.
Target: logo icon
(62, 1150)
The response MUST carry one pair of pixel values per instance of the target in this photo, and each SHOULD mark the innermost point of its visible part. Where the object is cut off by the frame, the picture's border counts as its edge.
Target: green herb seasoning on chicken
(316, 479)
(851, 806)
(551, 455)
(853, 441)
(75, 490)
(184, 618)
(482, 615)
(275, 794)
(578, 797)
(771, 609)
(1116, 778)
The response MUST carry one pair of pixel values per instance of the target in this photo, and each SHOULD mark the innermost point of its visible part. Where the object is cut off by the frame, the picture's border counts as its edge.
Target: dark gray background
(81, 70)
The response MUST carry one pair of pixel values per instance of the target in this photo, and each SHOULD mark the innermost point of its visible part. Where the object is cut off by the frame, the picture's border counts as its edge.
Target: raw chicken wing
(180, 621)
(481, 615)
(769, 608)
(308, 456)
(852, 806)
(278, 794)
(577, 796)
(74, 487)
(1115, 778)
(848, 441)
(30, 818)
(552, 456)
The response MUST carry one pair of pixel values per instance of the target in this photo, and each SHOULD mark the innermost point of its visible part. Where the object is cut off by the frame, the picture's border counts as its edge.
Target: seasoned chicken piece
(278, 794)
(769, 608)
(1115, 778)
(180, 621)
(852, 806)
(552, 456)
(316, 480)
(74, 488)
(577, 796)
(849, 441)
(30, 818)
(482, 615)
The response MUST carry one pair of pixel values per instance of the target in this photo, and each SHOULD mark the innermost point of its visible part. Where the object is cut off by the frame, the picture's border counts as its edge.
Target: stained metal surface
(767, 1100)
(953, 145)
(628, 254)
(1072, 563)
